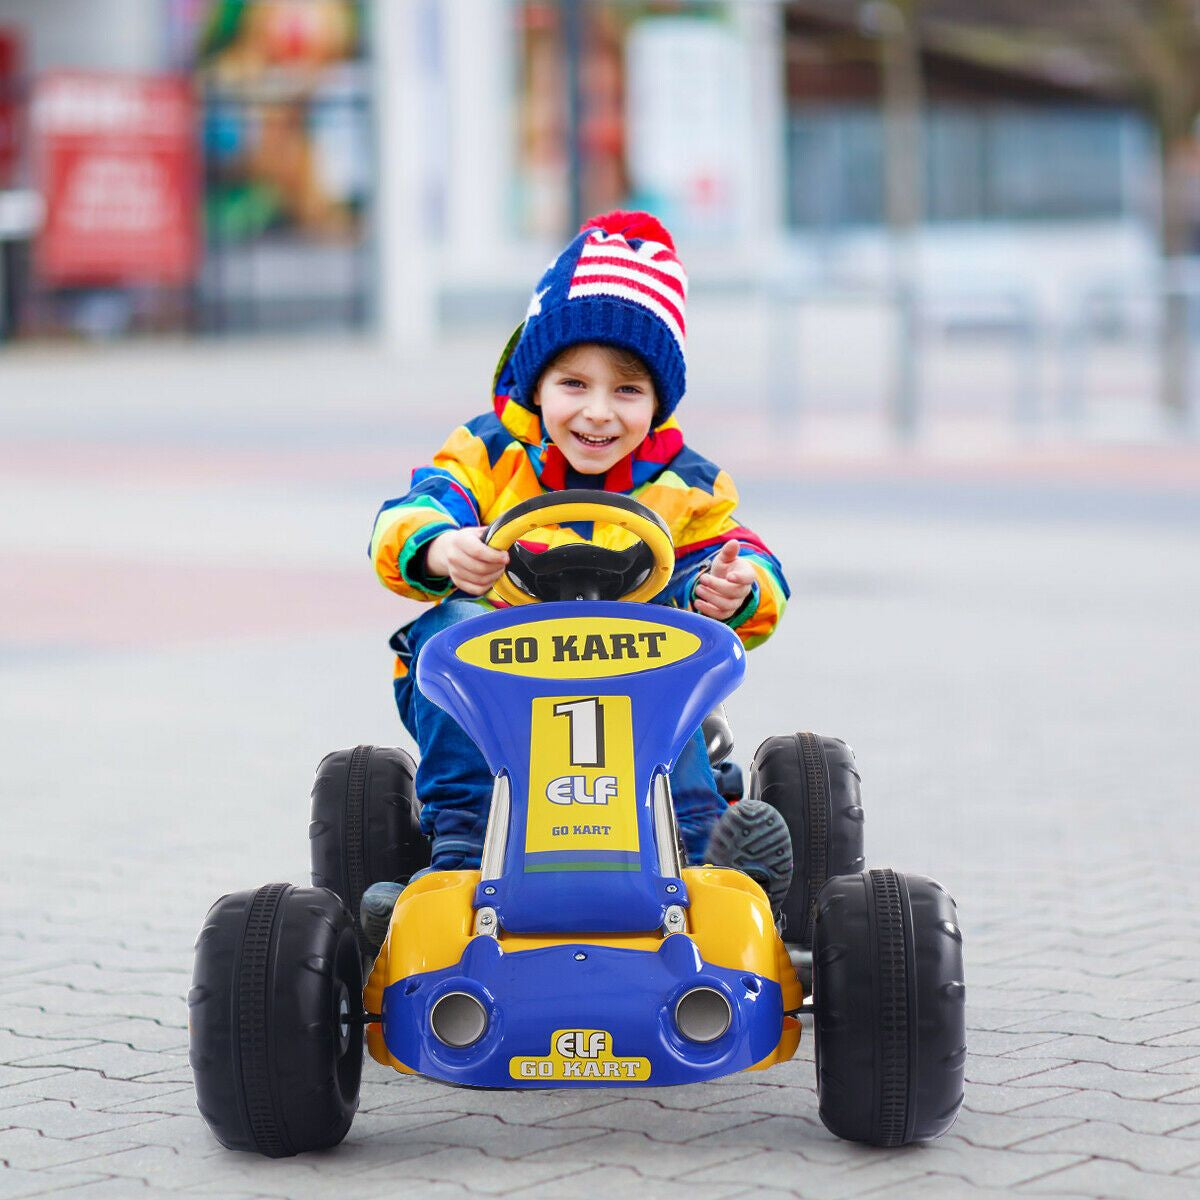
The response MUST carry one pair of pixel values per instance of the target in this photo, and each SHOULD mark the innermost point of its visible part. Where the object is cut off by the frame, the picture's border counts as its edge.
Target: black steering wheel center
(579, 571)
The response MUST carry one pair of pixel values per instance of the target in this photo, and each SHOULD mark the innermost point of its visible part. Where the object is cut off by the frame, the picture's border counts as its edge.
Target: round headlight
(458, 1020)
(702, 1015)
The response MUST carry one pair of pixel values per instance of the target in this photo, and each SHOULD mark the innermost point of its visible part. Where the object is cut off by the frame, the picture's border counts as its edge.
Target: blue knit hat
(618, 283)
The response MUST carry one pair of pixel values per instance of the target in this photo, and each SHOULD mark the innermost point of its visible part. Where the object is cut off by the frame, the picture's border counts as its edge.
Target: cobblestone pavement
(1010, 643)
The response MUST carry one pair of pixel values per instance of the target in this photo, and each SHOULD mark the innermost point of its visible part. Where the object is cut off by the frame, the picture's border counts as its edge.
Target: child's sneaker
(753, 837)
(375, 911)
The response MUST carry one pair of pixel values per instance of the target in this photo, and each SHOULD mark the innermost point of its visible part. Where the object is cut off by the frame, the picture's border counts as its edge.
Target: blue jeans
(454, 784)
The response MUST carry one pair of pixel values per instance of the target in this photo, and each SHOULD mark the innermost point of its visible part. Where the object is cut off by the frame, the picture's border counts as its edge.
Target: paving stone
(1143, 1116)
(616, 1181)
(218, 1192)
(161, 1100)
(981, 1166)
(1103, 1139)
(165, 1168)
(16, 1183)
(1187, 1131)
(12, 1077)
(148, 1036)
(1001, 1131)
(814, 1181)
(988, 1069)
(1003, 1098)
(31, 1151)
(992, 1043)
(1123, 1057)
(657, 1122)
(30, 1050)
(482, 1173)
(653, 1160)
(187, 1134)
(1130, 1085)
(1134, 1032)
(1188, 1037)
(491, 1135)
(932, 1187)
(61, 1119)
(516, 1108)
(1103, 1177)
(35, 1022)
(109, 1189)
(73, 1004)
(775, 1101)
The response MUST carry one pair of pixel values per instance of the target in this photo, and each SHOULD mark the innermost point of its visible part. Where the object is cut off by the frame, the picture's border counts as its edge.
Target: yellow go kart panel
(728, 919)
(641, 527)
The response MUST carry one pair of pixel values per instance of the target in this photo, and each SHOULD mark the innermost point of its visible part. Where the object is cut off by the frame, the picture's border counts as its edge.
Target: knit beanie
(618, 283)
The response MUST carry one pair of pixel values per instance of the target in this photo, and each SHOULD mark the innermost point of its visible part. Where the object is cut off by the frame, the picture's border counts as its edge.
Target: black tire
(888, 1008)
(814, 783)
(365, 825)
(276, 1069)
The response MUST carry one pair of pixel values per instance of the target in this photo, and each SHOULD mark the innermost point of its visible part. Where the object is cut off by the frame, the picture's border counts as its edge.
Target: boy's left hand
(723, 588)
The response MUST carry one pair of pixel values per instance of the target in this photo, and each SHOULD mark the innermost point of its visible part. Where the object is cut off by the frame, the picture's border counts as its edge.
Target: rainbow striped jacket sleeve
(450, 494)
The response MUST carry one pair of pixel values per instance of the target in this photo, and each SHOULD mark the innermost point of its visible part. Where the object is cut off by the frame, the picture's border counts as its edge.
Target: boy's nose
(597, 409)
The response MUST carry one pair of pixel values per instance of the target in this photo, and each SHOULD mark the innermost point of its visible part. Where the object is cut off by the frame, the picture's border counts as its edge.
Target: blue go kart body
(573, 948)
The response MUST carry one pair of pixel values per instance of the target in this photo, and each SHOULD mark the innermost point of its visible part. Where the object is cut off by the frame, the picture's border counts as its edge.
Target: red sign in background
(10, 69)
(116, 158)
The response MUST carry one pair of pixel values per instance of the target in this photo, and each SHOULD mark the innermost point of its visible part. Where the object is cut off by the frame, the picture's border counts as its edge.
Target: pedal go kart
(584, 953)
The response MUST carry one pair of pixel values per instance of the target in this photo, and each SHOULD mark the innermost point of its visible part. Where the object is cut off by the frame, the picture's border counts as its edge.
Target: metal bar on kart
(495, 840)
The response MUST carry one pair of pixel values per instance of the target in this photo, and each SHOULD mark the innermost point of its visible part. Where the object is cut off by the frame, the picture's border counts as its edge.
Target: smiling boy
(584, 397)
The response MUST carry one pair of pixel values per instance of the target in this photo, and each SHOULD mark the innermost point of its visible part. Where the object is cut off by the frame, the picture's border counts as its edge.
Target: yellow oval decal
(579, 648)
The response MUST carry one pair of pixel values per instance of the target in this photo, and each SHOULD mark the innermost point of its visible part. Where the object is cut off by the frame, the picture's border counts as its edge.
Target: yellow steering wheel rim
(641, 527)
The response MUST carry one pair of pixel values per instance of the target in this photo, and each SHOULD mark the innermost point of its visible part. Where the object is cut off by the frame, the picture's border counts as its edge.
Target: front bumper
(582, 1015)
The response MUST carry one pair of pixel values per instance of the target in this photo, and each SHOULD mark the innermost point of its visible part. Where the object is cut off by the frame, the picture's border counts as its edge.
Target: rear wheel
(813, 781)
(275, 1020)
(888, 1008)
(365, 824)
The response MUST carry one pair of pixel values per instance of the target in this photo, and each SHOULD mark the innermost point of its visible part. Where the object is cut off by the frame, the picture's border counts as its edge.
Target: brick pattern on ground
(1021, 695)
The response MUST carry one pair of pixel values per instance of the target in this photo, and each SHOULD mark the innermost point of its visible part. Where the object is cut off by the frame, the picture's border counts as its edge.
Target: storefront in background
(207, 167)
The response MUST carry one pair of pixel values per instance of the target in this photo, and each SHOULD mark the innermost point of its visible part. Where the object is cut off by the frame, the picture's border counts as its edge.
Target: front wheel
(888, 1008)
(275, 1012)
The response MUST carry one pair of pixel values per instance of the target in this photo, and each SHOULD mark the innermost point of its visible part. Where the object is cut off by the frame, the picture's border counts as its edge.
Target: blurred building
(406, 163)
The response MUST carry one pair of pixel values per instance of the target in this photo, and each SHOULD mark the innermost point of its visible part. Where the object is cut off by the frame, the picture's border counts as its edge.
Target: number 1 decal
(586, 718)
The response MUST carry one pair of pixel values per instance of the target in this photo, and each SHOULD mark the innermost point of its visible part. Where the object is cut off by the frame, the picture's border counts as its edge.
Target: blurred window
(981, 161)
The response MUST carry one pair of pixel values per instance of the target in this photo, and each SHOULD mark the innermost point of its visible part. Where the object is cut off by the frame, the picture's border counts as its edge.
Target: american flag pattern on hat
(649, 275)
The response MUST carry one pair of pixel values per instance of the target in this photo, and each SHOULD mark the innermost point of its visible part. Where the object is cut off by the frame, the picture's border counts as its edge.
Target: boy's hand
(723, 588)
(461, 554)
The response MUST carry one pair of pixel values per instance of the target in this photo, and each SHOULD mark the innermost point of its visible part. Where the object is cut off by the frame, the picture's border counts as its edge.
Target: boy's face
(594, 412)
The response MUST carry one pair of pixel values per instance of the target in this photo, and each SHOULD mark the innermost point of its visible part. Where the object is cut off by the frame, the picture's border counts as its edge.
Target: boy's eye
(570, 383)
(633, 389)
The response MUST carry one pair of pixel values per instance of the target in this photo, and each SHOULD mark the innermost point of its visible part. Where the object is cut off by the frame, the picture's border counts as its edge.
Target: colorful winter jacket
(501, 458)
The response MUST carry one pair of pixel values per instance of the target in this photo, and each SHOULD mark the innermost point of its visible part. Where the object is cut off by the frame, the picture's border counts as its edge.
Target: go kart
(584, 952)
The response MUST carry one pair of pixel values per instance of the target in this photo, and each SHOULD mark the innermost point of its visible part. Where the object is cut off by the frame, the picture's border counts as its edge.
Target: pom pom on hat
(631, 225)
(618, 283)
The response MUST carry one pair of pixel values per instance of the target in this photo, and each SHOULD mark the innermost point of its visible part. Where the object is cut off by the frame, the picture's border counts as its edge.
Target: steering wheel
(582, 571)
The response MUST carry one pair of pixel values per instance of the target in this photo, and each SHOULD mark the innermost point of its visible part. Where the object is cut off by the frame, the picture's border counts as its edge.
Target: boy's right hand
(460, 554)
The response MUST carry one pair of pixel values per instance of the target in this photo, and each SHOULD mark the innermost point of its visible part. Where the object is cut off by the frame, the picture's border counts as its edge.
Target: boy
(584, 397)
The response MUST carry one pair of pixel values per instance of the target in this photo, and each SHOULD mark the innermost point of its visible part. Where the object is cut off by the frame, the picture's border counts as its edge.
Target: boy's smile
(594, 411)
